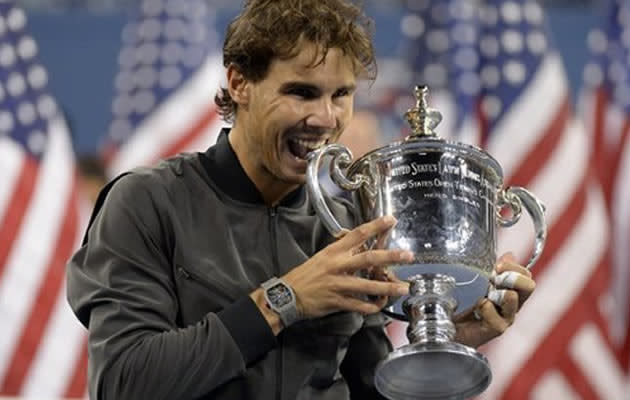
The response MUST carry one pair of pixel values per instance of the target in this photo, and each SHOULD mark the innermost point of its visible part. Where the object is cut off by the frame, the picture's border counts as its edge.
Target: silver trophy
(449, 200)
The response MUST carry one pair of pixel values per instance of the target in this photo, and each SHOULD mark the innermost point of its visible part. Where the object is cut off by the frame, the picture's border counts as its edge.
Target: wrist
(272, 318)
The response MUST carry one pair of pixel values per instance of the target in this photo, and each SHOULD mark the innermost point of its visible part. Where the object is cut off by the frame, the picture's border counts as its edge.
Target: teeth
(311, 145)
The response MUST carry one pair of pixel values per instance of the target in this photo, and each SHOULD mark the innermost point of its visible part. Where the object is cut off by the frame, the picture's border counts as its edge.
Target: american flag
(605, 108)
(42, 346)
(501, 84)
(169, 72)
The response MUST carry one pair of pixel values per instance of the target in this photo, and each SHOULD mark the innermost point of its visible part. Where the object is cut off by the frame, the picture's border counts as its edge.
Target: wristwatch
(281, 299)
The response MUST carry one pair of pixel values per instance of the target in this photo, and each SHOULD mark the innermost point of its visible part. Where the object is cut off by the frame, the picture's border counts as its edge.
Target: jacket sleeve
(367, 347)
(120, 285)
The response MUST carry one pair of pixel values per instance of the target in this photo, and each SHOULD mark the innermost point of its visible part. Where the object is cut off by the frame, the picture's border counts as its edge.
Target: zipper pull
(183, 272)
(273, 211)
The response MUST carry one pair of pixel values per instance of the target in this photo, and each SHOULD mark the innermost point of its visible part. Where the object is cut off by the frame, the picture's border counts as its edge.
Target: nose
(323, 115)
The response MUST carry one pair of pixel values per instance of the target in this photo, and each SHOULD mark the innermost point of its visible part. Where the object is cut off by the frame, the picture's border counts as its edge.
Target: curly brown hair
(274, 29)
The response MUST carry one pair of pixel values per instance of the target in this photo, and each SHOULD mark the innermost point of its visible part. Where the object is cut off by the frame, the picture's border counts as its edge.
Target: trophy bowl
(449, 200)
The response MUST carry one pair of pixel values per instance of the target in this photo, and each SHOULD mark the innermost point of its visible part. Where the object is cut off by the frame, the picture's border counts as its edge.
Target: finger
(490, 316)
(349, 303)
(360, 286)
(377, 259)
(356, 237)
(507, 262)
(507, 302)
(524, 285)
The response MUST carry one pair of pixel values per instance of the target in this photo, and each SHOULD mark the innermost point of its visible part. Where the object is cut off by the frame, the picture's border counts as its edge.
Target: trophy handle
(516, 197)
(342, 158)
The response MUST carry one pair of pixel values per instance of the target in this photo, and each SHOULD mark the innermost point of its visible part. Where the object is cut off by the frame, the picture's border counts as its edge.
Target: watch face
(279, 295)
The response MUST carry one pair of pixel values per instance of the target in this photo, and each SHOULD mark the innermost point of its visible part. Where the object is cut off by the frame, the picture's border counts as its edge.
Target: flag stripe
(544, 148)
(537, 320)
(78, 382)
(27, 346)
(35, 245)
(555, 343)
(578, 380)
(16, 209)
(199, 129)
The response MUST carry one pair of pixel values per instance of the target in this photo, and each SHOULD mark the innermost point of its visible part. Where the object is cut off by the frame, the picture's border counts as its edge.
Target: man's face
(297, 108)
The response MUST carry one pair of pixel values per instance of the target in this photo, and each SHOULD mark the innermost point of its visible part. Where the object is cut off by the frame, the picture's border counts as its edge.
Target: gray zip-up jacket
(162, 284)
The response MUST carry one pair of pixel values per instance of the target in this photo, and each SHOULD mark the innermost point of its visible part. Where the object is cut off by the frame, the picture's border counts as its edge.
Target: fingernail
(390, 219)
(407, 256)
(402, 289)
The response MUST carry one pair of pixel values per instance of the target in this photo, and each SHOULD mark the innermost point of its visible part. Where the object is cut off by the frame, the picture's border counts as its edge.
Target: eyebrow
(304, 85)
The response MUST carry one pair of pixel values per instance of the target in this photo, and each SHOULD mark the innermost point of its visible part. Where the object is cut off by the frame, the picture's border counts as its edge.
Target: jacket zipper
(273, 212)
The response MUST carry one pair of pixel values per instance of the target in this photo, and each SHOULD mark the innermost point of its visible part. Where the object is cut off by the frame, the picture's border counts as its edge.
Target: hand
(514, 285)
(328, 282)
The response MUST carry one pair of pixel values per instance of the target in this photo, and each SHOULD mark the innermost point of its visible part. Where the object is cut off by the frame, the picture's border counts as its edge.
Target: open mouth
(301, 147)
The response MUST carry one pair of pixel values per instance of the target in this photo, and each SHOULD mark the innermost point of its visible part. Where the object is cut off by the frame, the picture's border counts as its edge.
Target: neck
(271, 189)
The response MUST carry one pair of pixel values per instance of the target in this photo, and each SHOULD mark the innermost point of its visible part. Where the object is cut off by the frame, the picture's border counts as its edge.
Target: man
(176, 281)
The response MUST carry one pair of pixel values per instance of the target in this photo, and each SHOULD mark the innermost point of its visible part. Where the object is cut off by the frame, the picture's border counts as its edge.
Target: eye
(303, 92)
(342, 92)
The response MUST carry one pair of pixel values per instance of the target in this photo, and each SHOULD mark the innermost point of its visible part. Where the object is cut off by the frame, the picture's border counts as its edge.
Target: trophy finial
(422, 119)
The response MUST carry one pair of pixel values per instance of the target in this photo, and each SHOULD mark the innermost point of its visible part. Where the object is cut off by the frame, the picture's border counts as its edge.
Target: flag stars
(36, 142)
(511, 13)
(148, 53)
(466, 58)
(150, 29)
(597, 41)
(129, 34)
(7, 56)
(37, 77)
(145, 77)
(533, 13)
(124, 81)
(417, 5)
(464, 33)
(6, 121)
(122, 105)
(490, 76)
(16, 86)
(489, 46)
(175, 29)
(512, 41)
(152, 8)
(143, 101)
(46, 106)
(171, 53)
(622, 95)
(27, 48)
(489, 15)
(170, 76)
(412, 26)
(536, 42)
(120, 129)
(438, 41)
(194, 56)
(16, 19)
(435, 75)
(26, 113)
(514, 72)
(491, 106)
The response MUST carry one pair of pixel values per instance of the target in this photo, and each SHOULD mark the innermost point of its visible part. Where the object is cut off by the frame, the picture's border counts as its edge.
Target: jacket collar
(224, 169)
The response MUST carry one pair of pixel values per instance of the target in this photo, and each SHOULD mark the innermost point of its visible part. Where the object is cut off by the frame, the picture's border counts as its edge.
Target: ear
(237, 85)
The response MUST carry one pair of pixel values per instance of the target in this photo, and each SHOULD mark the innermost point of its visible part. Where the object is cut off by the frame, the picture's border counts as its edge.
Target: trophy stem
(432, 366)
(430, 308)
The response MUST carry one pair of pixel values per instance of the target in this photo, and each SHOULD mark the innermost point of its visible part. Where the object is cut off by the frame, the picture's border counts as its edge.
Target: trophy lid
(422, 119)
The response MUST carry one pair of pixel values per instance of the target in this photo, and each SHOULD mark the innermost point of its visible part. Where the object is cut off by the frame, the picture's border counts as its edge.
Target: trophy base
(434, 370)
